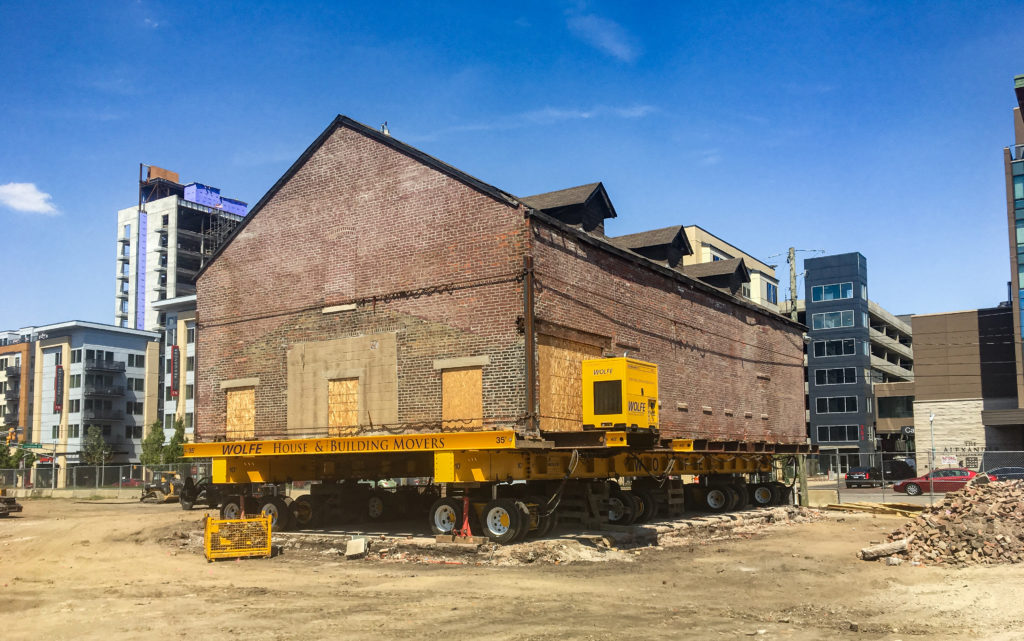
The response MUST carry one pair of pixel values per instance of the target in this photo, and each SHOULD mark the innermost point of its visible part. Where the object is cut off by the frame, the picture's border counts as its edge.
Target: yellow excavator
(165, 488)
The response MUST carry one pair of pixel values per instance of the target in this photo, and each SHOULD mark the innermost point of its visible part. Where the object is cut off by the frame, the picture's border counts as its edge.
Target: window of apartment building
(90, 354)
(864, 318)
(74, 430)
(125, 269)
(55, 432)
(106, 430)
(136, 360)
(3, 363)
(125, 250)
(124, 306)
(835, 376)
(190, 363)
(74, 406)
(172, 335)
(137, 410)
(190, 336)
(140, 384)
(161, 318)
(127, 231)
(58, 357)
(124, 286)
(836, 291)
(836, 404)
(132, 432)
(167, 393)
(124, 322)
(771, 293)
(832, 320)
(132, 407)
(169, 365)
(189, 419)
(188, 391)
(839, 347)
(168, 421)
(838, 433)
(76, 356)
(75, 381)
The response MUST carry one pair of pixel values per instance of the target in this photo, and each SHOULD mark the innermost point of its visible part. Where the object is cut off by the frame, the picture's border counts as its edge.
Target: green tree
(96, 450)
(153, 445)
(174, 452)
(11, 458)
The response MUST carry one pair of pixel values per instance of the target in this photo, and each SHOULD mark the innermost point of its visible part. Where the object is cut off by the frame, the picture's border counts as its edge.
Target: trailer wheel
(621, 509)
(280, 514)
(734, 497)
(545, 524)
(376, 506)
(648, 506)
(526, 519)
(445, 515)
(230, 509)
(716, 498)
(761, 495)
(780, 493)
(503, 520)
(304, 512)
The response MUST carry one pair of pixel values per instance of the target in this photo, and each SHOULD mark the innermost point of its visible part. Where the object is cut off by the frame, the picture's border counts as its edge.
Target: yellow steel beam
(503, 440)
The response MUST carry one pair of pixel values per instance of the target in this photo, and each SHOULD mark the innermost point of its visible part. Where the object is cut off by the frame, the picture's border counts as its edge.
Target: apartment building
(87, 374)
(164, 240)
(177, 386)
(16, 380)
(853, 344)
(763, 286)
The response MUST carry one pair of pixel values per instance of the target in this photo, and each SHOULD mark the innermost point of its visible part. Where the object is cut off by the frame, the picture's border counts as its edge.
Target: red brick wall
(710, 353)
(360, 220)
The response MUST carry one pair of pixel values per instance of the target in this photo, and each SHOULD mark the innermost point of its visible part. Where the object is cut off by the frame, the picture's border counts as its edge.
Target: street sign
(32, 446)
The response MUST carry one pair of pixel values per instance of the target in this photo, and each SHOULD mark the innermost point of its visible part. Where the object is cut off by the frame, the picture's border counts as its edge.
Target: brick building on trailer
(375, 289)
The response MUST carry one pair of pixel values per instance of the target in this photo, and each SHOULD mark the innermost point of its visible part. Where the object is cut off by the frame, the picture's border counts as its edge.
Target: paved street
(873, 494)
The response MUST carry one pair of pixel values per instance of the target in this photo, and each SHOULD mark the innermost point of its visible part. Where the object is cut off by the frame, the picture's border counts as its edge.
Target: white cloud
(604, 34)
(543, 116)
(26, 197)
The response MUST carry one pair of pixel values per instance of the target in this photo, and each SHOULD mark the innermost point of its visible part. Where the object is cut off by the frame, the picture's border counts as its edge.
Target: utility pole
(792, 282)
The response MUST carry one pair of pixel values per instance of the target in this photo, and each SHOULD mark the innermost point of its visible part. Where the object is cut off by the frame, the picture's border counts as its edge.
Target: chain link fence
(123, 478)
(904, 477)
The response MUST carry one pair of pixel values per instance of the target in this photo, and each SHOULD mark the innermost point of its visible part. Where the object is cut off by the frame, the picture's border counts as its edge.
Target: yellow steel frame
(499, 440)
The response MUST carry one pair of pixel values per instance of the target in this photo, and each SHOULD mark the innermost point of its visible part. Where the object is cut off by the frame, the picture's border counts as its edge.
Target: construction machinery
(504, 484)
(164, 488)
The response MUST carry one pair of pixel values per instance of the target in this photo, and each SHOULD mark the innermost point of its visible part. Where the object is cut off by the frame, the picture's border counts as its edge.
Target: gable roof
(655, 237)
(345, 122)
(719, 268)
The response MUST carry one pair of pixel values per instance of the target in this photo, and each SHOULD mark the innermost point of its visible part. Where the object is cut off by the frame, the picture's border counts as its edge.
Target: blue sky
(834, 126)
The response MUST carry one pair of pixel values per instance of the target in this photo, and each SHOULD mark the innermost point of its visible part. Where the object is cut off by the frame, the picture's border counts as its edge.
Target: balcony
(122, 276)
(104, 390)
(12, 370)
(12, 394)
(124, 240)
(102, 415)
(104, 365)
(123, 295)
(11, 418)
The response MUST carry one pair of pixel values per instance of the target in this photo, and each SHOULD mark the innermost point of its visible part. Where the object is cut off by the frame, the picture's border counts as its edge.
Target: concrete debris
(983, 523)
(357, 547)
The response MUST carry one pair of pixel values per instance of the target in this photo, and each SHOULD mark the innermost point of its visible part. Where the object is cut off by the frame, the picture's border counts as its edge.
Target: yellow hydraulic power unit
(620, 393)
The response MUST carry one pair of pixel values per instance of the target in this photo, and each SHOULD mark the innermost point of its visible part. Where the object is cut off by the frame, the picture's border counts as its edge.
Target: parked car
(1007, 473)
(861, 476)
(896, 470)
(946, 480)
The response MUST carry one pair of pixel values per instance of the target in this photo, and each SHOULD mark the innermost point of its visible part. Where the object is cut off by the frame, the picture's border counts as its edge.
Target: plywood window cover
(462, 398)
(560, 381)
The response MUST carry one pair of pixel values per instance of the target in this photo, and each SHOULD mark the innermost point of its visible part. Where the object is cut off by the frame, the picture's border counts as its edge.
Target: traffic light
(12, 436)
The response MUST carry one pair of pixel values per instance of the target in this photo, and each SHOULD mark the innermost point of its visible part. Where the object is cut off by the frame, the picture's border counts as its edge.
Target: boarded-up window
(241, 423)
(462, 400)
(342, 406)
(560, 373)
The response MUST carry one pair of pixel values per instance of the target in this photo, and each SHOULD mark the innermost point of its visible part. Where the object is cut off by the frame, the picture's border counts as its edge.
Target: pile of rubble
(982, 523)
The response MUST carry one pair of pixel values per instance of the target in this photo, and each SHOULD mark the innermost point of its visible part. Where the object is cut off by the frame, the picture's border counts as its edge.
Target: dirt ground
(92, 570)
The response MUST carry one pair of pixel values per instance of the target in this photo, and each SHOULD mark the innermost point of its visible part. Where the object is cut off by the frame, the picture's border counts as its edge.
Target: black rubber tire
(378, 506)
(231, 508)
(734, 497)
(621, 509)
(716, 498)
(524, 513)
(502, 520)
(280, 513)
(649, 506)
(780, 493)
(761, 495)
(638, 507)
(913, 489)
(445, 515)
(744, 496)
(305, 512)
